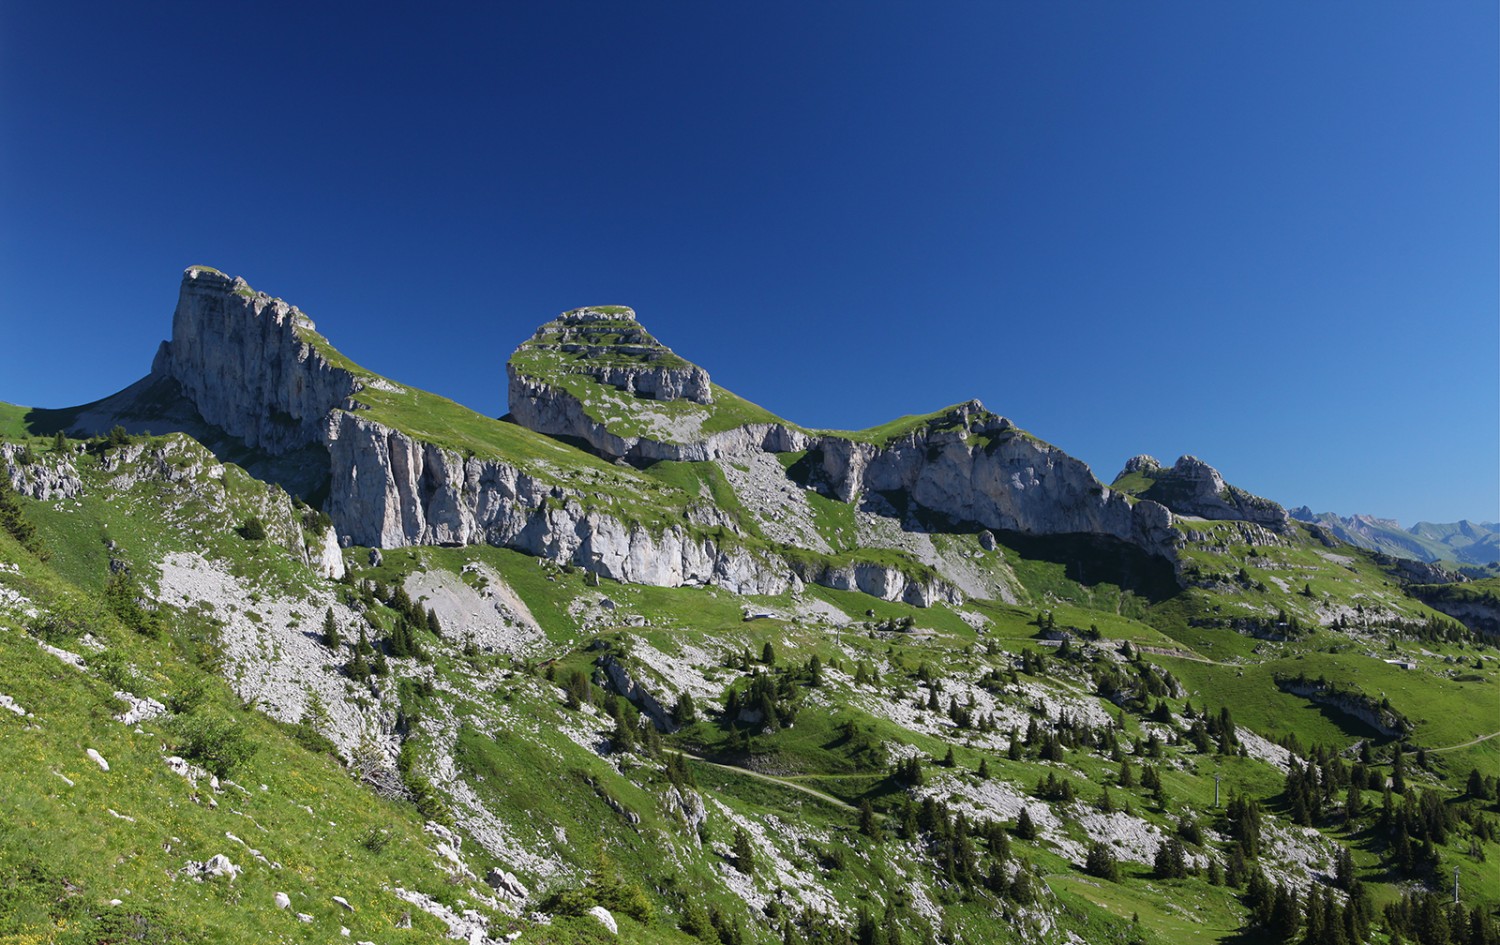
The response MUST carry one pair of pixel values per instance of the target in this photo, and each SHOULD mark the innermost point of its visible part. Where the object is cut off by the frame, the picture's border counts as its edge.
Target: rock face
(238, 355)
(609, 347)
(1479, 612)
(390, 490)
(972, 466)
(1193, 487)
(37, 475)
(549, 409)
(253, 366)
(969, 466)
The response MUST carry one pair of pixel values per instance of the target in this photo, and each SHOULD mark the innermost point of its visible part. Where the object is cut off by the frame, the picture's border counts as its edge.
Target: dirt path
(772, 779)
(1472, 741)
(1176, 653)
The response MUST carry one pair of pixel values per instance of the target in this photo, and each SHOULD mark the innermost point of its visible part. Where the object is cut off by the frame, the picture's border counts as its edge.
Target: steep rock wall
(993, 475)
(237, 355)
(390, 490)
(1193, 487)
(539, 406)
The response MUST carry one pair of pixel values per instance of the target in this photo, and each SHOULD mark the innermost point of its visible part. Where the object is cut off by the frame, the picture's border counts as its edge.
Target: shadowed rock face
(1193, 487)
(237, 356)
(975, 467)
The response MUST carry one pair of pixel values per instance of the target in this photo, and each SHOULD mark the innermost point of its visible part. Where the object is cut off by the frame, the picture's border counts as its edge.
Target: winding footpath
(1472, 741)
(771, 779)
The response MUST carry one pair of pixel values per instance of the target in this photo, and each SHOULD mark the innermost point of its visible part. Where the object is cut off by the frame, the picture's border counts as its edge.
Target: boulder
(605, 919)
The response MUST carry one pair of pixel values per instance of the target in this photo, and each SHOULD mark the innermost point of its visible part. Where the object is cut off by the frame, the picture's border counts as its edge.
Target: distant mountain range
(1464, 541)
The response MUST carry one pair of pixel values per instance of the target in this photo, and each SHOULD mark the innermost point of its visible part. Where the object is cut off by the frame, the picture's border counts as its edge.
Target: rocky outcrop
(1376, 713)
(1479, 610)
(1193, 487)
(610, 346)
(326, 557)
(390, 490)
(241, 357)
(622, 683)
(40, 475)
(549, 409)
(882, 581)
(975, 467)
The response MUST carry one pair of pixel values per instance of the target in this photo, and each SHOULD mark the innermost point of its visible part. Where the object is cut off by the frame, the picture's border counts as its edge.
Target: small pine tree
(685, 711)
(577, 690)
(1171, 860)
(984, 769)
(1101, 862)
(358, 667)
(434, 626)
(1025, 828)
(768, 654)
(59, 443)
(331, 638)
(253, 529)
(744, 853)
(1476, 786)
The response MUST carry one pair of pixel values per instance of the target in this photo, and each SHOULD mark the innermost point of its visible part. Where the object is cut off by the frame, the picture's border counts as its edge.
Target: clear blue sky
(1265, 234)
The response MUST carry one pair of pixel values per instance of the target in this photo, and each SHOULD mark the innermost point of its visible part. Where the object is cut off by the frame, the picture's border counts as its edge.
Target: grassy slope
(64, 855)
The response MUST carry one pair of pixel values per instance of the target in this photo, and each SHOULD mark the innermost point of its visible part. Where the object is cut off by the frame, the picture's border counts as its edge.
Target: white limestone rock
(46, 475)
(605, 919)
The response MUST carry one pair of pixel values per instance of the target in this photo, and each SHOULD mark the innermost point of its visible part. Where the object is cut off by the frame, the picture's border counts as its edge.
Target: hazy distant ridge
(1463, 541)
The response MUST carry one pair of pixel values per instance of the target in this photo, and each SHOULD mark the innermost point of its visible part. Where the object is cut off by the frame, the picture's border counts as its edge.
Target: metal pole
(1216, 790)
(1455, 885)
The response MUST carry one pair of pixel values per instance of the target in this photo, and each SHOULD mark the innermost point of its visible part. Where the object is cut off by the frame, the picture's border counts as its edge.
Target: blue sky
(1264, 234)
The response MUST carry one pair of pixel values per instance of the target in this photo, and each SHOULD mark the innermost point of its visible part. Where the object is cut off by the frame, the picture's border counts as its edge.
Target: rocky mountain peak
(1192, 469)
(247, 362)
(607, 344)
(1193, 487)
(597, 313)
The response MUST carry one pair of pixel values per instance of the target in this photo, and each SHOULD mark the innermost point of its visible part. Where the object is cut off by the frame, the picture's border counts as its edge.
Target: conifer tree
(331, 638)
(1025, 828)
(744, 853)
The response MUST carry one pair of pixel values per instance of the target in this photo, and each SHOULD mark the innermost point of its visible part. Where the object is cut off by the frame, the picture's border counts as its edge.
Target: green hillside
(833, 767)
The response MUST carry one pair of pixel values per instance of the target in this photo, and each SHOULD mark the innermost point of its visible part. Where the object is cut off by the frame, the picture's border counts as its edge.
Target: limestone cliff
(252, 366)
(241, 357)
(596, 376)
(972, 466)
(1193, 487)
(968, 466)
